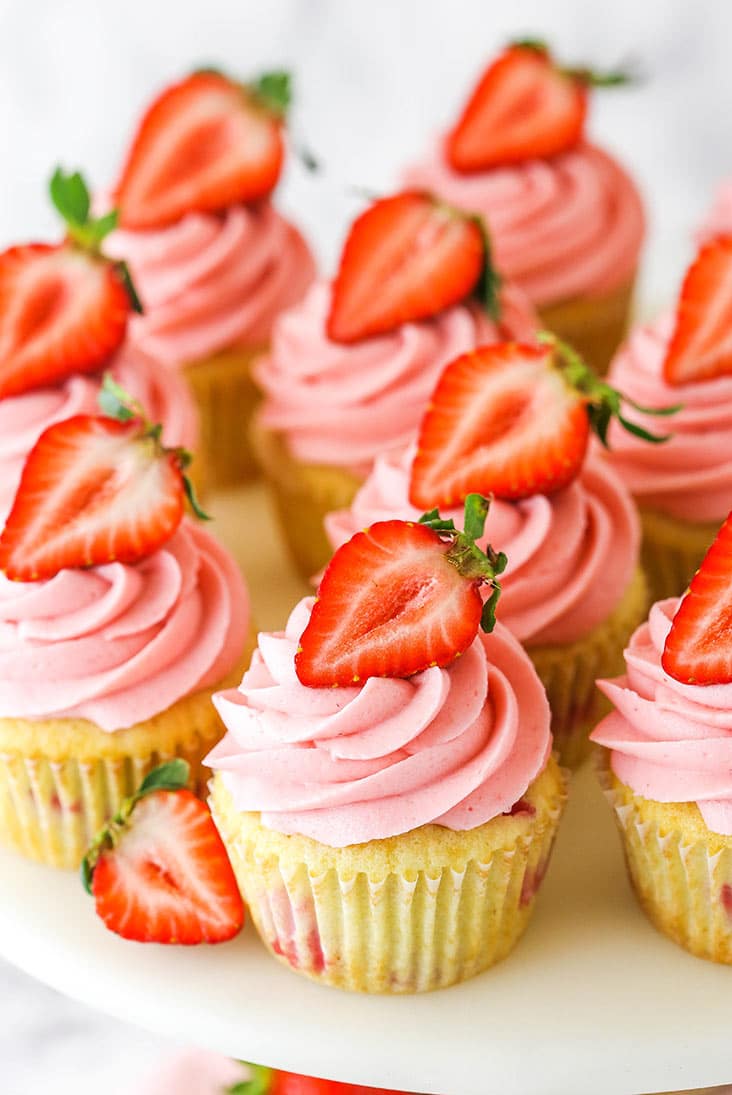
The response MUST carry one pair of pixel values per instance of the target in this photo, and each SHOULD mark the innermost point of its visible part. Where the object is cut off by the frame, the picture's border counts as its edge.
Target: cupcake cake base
(672, 551)
(303, 494)
(371, 918)
(680, 870)
(568, 671)
(595, 326)
(227, 398)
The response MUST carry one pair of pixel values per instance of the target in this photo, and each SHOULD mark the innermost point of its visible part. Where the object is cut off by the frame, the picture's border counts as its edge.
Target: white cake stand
(592, 1002)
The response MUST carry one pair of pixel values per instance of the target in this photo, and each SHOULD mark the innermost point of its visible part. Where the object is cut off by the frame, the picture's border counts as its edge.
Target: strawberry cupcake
(574, 590)
(213, 260)
(352, 366)
(118, 618)
(668, 758)
(565, 218)
(682, 361)
(386, 788)
(64, 311)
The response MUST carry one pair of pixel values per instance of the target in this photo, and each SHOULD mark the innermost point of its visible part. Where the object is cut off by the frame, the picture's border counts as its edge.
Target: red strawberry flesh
(203, 145)
(406, 258)
(168, 878)
(503, 421)
(701, 345)
(698, 648)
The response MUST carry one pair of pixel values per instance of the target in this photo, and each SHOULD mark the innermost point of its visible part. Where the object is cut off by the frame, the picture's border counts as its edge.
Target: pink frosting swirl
(212, 281)
(23, 418)
(119, 643)
(690, 476)
(453, 747)
(718, 221)
(670, 742)
(343, 405)
(571, 555)
(562, 228)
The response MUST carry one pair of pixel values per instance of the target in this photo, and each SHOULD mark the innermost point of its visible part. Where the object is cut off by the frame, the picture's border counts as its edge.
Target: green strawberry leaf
(259, 1082)
(274, 91)
(476, 511)
(173, 775)
(488, 616)
(70, 196)
(490, 282)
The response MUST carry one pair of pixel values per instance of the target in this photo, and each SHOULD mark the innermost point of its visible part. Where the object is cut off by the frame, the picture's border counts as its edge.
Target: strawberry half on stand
(159, 872)
(698, 648)
(514, 420)
(701, 345)
(269, 1081)
(525, 107)
(406, 258)
(63, 307)
(399, 598)
(205, 143)
(95, 490)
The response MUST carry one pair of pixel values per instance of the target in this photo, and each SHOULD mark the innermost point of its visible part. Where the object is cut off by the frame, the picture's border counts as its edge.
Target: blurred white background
(374, 81)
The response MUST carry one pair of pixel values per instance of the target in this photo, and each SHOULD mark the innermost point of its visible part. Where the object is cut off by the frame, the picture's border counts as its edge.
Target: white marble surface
(374, 79)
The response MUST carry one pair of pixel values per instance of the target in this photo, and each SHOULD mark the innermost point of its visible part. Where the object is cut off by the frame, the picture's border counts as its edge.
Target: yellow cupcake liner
(594, 326)
(680, 870)
(62, 779)
(568, 671)
(673, 551)
(227, 398)
(302, 495)
(408, 914)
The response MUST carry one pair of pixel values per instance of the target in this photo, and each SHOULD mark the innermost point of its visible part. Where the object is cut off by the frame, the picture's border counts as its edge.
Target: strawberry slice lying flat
(398, 598)
(159, 871)
(268, 1081)
(701, 345)
(406, 258)
(512, 420)
(524, 107)
(698, 647)
(94, 490)
(63, 307)
(204, 144)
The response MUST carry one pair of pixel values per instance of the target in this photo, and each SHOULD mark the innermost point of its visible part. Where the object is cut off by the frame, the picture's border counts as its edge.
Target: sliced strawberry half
(63, 307)
(406, 258)
(398, 598)
(512, 420)
(524, 107)
(159, 872)
(698, 648)
(701, 345)
(204, 144)
(94, 490)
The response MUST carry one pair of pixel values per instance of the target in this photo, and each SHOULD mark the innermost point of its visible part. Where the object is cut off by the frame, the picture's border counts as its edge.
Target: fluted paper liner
(680, 870)
(568, 672)
(302, 494)
(227, 398)
(62, 779)
(673, 551)
(409, 914)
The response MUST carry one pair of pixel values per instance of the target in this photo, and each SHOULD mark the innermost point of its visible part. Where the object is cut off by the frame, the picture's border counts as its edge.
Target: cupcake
(118, 619)
(573, 590)
(565, 218)
(337, 396)
(63, 322)
(668, 757)
(389, 834)
(213, 261)
(683, 487)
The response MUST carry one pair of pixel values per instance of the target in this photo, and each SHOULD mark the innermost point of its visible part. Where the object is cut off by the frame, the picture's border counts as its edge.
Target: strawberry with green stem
(205, 143)
(514, 420)
(526, 106)
(269, 1081)
(96, 489)
(159, 871)
(63, 307)
(399, 598)
(406, 258)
